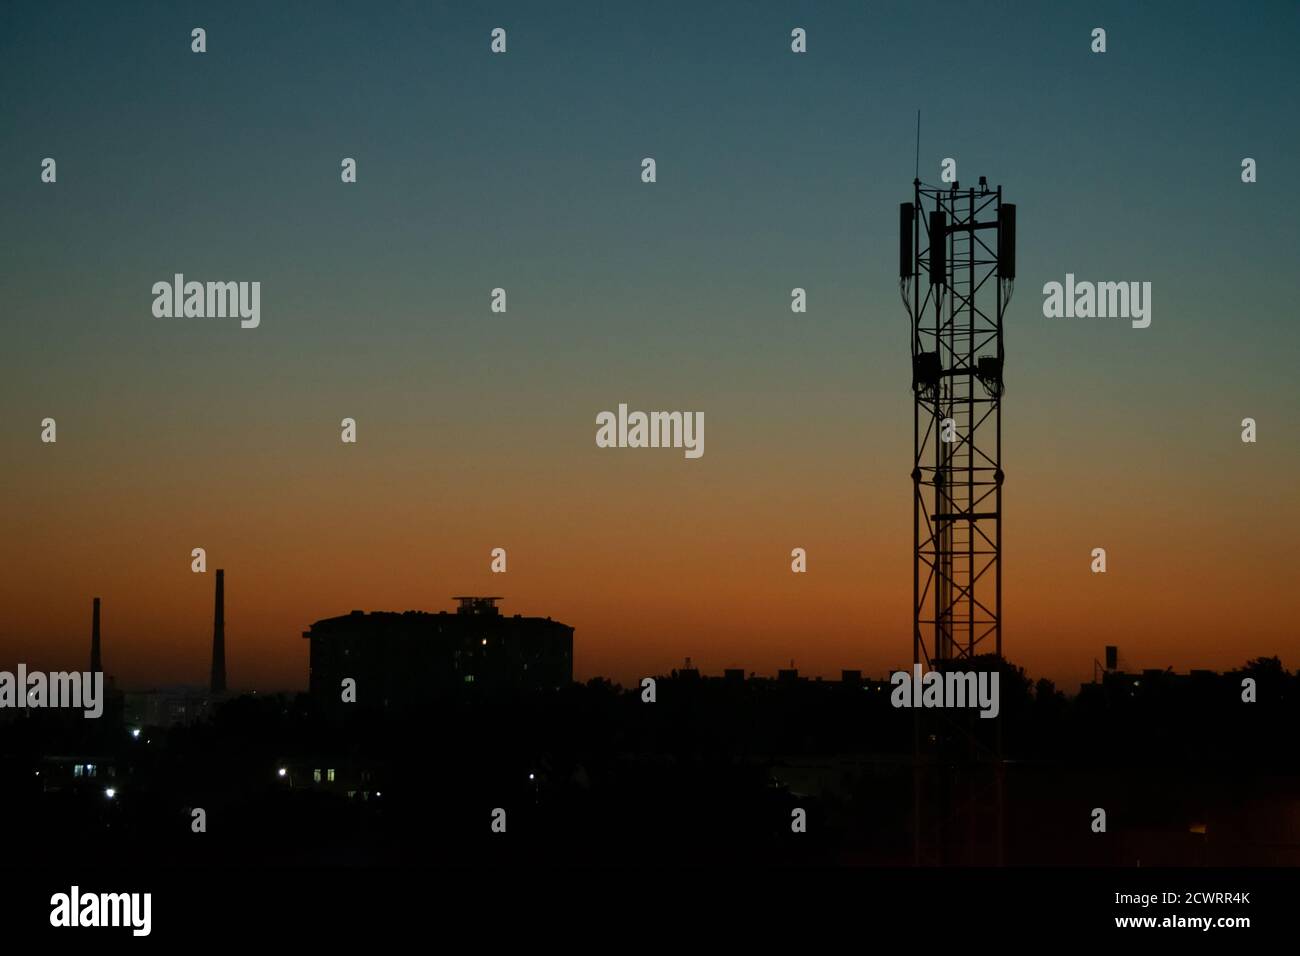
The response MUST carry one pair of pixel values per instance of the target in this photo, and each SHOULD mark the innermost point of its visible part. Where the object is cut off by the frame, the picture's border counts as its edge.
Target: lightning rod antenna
(918, 144)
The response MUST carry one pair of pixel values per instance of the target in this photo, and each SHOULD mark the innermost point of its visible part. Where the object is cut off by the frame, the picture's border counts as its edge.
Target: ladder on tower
(958, 488)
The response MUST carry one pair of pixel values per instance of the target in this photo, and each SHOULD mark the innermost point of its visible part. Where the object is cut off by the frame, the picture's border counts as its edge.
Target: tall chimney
(219, 637)
(96, 664)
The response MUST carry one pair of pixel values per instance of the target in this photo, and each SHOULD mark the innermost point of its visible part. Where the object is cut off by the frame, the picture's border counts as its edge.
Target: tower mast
(957, 268)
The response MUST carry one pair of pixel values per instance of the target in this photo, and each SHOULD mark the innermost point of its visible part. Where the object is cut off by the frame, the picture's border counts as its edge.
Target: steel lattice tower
(956, 268)
(956, 274)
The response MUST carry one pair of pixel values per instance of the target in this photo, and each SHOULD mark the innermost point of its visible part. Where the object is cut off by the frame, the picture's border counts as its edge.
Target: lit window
(78, 770)
(315, 775)
(331, 775)
(469, 678)
(90, 770)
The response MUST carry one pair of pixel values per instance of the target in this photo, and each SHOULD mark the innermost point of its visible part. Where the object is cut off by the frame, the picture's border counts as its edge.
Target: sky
(476, 430)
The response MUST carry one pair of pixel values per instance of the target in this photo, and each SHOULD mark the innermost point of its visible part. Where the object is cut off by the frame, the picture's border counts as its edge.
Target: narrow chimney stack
(96, 663)
(218, 636)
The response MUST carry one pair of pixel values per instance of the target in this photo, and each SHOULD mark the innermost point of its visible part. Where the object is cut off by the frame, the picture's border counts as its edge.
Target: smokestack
(219, 637)
(96, 664)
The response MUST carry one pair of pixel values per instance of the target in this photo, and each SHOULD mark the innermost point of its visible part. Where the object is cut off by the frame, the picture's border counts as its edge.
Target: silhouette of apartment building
(400, 660)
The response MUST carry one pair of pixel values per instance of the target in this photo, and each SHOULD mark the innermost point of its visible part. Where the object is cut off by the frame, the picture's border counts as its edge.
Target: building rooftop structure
(398, 659)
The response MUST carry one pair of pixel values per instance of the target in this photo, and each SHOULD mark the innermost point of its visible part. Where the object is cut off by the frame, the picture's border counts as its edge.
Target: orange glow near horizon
(651, 560)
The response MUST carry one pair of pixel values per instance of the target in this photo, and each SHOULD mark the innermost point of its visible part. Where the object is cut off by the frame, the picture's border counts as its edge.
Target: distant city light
(283, 771)
(530, 776)
(485, 640)
(110, 793)
(135, 732)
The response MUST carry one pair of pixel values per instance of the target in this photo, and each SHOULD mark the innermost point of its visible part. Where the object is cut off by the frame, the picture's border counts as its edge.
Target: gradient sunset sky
(477, 430)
